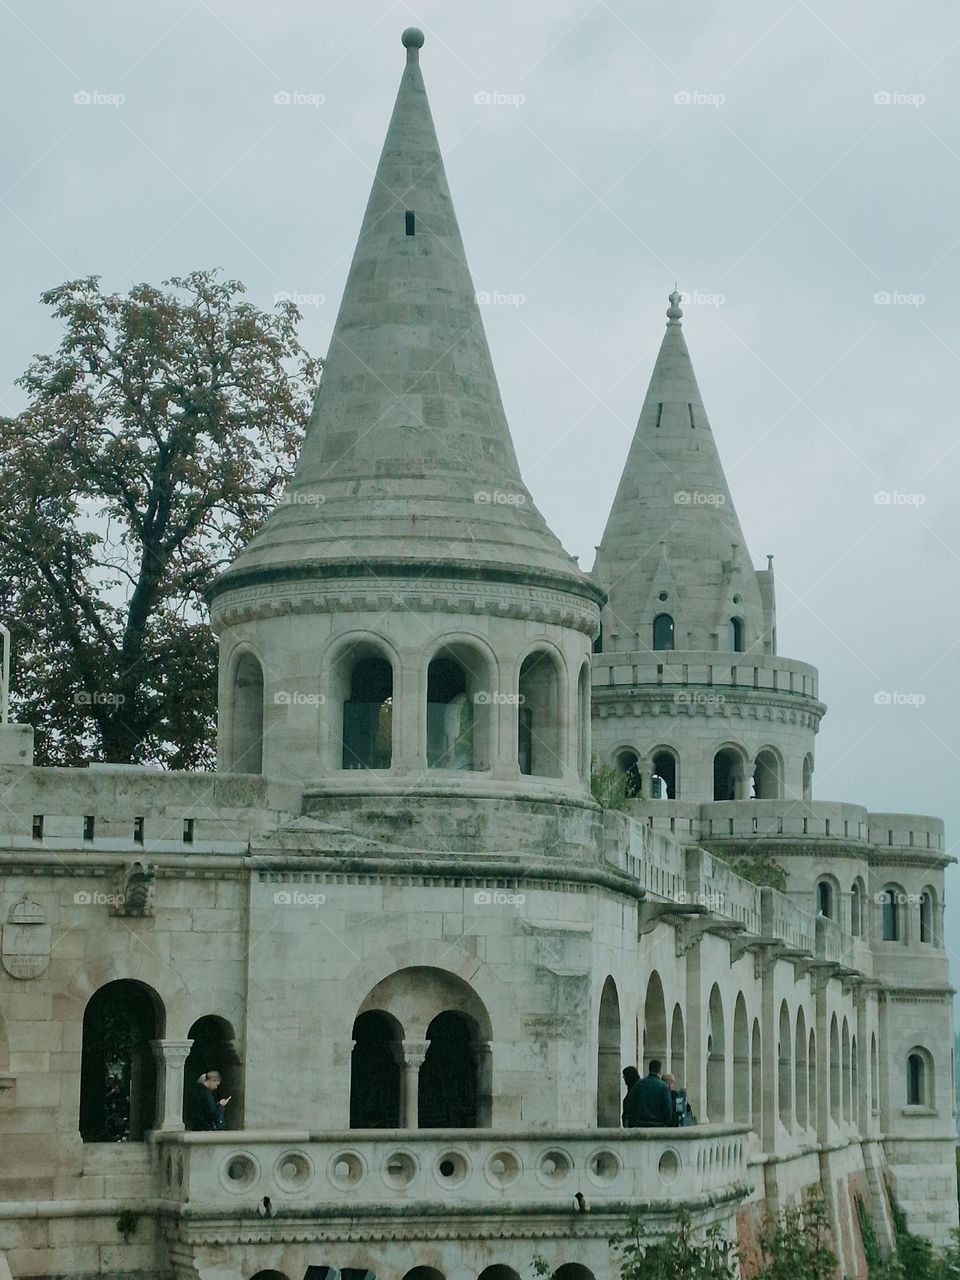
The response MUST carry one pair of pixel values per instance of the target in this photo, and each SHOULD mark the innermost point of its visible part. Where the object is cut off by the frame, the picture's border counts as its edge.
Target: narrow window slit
(659, 415)
(410, 222)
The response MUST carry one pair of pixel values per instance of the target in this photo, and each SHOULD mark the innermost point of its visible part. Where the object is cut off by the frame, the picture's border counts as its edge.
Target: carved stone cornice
(727, 702)
(462, 597)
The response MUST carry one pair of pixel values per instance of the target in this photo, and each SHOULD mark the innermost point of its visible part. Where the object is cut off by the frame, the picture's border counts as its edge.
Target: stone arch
(807, 783)
(678, 1050)
(874, 1075)
(141, 967)
(920, 1081)
(424, 1273)
(827, 899)
(245, 696)
(498, 1272)
(462, 699)
(730, 772)
(269, 1275)
(376, 1100)
(626, 761)
(756, 1079)
(927, 920)
(608, 1056)
(735, 634)
(362, 674)
(813, 1080)
(847, 1108)
(584, 701)
(785, 1068)
(654, 1023)
(892, 920)
(801, 1074)
(858, 907)
(741, 1061)
(541, 697)
(215, 1048)
(453, 1088)
(119, 1079)
(854, 1081)
(573, 1271)
(664, 773)
(663, 633)
(834, 1069)
(716, 1059)
(767, 778)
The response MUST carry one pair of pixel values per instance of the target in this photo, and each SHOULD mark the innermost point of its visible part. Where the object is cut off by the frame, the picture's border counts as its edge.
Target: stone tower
(694, 704)
(455, 629)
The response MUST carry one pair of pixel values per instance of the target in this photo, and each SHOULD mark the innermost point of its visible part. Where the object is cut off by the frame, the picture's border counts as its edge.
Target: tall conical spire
(408, 455)
(673, 507)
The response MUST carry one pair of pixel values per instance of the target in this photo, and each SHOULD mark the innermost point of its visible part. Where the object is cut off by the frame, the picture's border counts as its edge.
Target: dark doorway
(118, 1072)
(368, 716)
(375, 1072)
(447, 1097)
(214, 1049)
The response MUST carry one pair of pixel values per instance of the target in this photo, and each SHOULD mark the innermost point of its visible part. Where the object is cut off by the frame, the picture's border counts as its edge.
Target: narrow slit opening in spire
(659, 416)
(410, 222)
(690, 411)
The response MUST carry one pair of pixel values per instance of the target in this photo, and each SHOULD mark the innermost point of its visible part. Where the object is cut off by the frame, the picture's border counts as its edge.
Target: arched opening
(834, 1070)
(663, 631)
(927, 917)
(363, 682)
(812, 1079)
(678, 1052)
(800, 1071)
(375, 1073)
(735, 635)
(808, 777)
(663, 781)
(654, 1023)
(890, 914)
(118, 1071)
(727, 775)
(538, 717)
(756, 1080)
(826, 899)
(449, 1082)
(608, 1056)
(424, 1273)
(846, 1068)
(628, 767)
(269, 1275)
(214, 1048)
(919, 1078)
(741, 1062)
(716, 1060)
(583, 706)
(459, 699)
(246, 755)
(874, 1076)
(785, 1072)
(767, 775)
(499, 1272)
(855, 1082)
(573, 1271)
(857, 899)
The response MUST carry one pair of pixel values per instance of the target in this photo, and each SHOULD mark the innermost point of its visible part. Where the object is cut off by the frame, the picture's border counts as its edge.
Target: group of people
(654, 1101)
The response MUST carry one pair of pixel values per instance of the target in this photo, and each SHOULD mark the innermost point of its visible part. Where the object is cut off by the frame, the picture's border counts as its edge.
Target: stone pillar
(410, 1055)
(170, 1056)
(694, 1037)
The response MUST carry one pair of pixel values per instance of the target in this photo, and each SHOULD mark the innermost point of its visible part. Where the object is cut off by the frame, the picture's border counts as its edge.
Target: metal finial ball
(673, 311)
(412, 38)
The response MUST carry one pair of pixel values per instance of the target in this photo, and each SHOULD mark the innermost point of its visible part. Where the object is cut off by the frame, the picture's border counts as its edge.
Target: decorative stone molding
(25, 945)
(136, 890)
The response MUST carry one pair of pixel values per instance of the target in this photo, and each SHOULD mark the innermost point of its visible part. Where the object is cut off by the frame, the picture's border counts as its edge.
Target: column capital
(411, 1053)
(171, 1052)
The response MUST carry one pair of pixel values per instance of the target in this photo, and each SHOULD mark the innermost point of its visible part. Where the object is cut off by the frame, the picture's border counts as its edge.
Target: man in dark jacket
(648, 1103)
(630, 1077)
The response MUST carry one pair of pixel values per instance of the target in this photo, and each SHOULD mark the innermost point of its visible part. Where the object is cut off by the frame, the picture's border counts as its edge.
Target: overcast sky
(740, 149)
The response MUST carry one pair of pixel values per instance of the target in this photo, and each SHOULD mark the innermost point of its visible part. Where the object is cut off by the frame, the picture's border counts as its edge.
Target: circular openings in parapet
(554, 1168)
(451, 1168)
(604, 1166)
(239, 1172)
(399, 1169)
(346, 1169)
(738, 599)
(502, 1168)
(663, 596)
(668, 1168)
(293, 1171)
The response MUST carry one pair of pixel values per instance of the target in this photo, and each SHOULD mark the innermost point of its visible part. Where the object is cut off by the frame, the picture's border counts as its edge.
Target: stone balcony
(366, 1172)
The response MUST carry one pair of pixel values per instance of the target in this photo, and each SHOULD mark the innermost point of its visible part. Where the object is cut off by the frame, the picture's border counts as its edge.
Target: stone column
(410, 1055)
(170, 1056)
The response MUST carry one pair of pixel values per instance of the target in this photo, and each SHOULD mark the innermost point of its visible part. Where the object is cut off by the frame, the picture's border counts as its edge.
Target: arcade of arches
(498, 1271)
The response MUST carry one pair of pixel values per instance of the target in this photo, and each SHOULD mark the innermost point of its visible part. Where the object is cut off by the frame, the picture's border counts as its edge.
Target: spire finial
(674, 314)
(412, 40)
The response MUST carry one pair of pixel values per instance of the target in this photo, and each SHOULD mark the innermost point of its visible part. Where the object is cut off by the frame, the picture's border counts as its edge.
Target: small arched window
(735, 635)
(825, 899)
(890, 915)
(926, 916)
(663, 782)
(807, 777)
(856, 908)
(628, 766)
(918, 1079)
(727, 775)
(367, 738)
(246, 755)
(663, 631)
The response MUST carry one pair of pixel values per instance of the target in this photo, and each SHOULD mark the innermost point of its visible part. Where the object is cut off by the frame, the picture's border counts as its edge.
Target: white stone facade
(397, 922)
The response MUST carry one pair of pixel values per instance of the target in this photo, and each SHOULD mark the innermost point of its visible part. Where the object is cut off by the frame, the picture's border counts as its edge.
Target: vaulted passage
(118, 1074)
(375, 1072)
(608, 1056)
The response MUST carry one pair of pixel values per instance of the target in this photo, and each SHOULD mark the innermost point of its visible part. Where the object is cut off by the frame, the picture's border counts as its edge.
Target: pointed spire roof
(673, 505)
(408, 457)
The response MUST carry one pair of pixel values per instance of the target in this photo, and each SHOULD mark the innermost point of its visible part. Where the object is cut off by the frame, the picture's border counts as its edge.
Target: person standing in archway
(648, 1104)
(207, 1111)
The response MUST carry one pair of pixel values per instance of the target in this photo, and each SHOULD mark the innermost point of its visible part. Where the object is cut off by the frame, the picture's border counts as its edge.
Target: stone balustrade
(303, 1172)
(767, 672)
